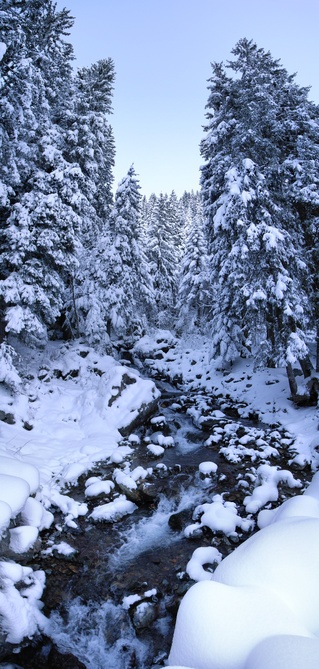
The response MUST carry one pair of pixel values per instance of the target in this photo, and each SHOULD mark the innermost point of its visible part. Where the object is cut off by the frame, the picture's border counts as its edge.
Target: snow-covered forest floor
(261, 393)
(76, 408)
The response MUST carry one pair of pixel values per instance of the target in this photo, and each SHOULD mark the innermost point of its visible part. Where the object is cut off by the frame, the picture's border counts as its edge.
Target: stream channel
(113, 603)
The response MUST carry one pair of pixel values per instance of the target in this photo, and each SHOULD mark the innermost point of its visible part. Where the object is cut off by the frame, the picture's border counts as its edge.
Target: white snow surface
(260, 608)
(3, 48)
(23, 538)
(202, 556)
(219, 516)
(262, 600)
(20, 607)
(66, 417)
(112, 511)
(63, 548)
(206, 468)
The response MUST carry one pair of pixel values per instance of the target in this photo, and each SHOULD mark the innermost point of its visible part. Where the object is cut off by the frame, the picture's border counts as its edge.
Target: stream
(112, 604)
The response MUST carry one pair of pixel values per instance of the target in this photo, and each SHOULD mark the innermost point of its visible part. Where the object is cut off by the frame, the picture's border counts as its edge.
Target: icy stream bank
(113, 601)
(178, 493)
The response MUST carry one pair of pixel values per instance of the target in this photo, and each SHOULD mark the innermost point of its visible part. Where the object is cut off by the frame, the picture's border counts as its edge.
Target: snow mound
(5, 516)
(95, 486)
(207, 468)
(155, 450)
(33, 513)
(21, 589)
(17, 481)
(23, 470)
(14, 491)
(201, 556)
(261, 607)
(23, 538)
(113, 511)
(219, 516)
(267, 491)
(63, 548)
(285, 651)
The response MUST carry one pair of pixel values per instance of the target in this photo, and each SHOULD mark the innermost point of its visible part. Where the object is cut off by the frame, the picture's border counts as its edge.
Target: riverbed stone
(177, 521)
(144, 614)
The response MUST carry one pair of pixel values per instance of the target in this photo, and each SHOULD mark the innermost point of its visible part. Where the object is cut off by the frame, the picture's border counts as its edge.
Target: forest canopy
(237, 260)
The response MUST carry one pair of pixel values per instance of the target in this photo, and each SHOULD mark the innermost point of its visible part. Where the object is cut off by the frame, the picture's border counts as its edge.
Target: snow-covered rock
(23, 538)
(14, 491)
(113, 511)
(21, 589)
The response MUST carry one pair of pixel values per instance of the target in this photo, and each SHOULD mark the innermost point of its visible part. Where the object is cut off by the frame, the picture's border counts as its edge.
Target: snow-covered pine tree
(193, 293)
(256, 269)
(176, 220)
(127, 290)
(40, 222)
(93, 142)
(147, 211)
(163, 253)
(301, 182)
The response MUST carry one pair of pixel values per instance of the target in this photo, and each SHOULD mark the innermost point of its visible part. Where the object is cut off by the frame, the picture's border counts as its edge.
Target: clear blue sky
(162, 50)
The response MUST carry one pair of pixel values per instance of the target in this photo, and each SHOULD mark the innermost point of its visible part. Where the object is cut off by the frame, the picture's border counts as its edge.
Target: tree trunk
(270, 337)
(77, 326)
(317, 351)
(292, 381)
(2, 320)
(306, 366)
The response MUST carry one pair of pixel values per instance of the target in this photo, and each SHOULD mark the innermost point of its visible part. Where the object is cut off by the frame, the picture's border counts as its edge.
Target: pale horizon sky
(162, 50)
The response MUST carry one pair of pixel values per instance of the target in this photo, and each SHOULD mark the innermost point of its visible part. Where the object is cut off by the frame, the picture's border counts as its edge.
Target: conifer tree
(125, 291)
(93, 143)
(176, 222)
(162, 254)
(193, 292)
(40, 222)
(260, 304)
(301, 180)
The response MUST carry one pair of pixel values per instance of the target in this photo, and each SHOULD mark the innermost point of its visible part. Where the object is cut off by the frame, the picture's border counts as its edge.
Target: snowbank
(261, 607)
(20, 606)
(69, 414)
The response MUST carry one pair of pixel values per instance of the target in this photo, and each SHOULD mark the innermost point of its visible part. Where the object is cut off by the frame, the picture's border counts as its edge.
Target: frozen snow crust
(69, 414)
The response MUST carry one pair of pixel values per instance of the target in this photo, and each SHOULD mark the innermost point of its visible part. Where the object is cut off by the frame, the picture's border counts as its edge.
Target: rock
(7, 417)
(43, 655)
(197, 533)
(144, 412)
(149, 492)
(132, 494)
(177, 521)
(145, 493)
(144, 615)
(64, 661)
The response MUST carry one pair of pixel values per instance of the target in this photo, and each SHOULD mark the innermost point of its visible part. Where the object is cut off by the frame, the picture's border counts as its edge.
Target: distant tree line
(238, 260)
